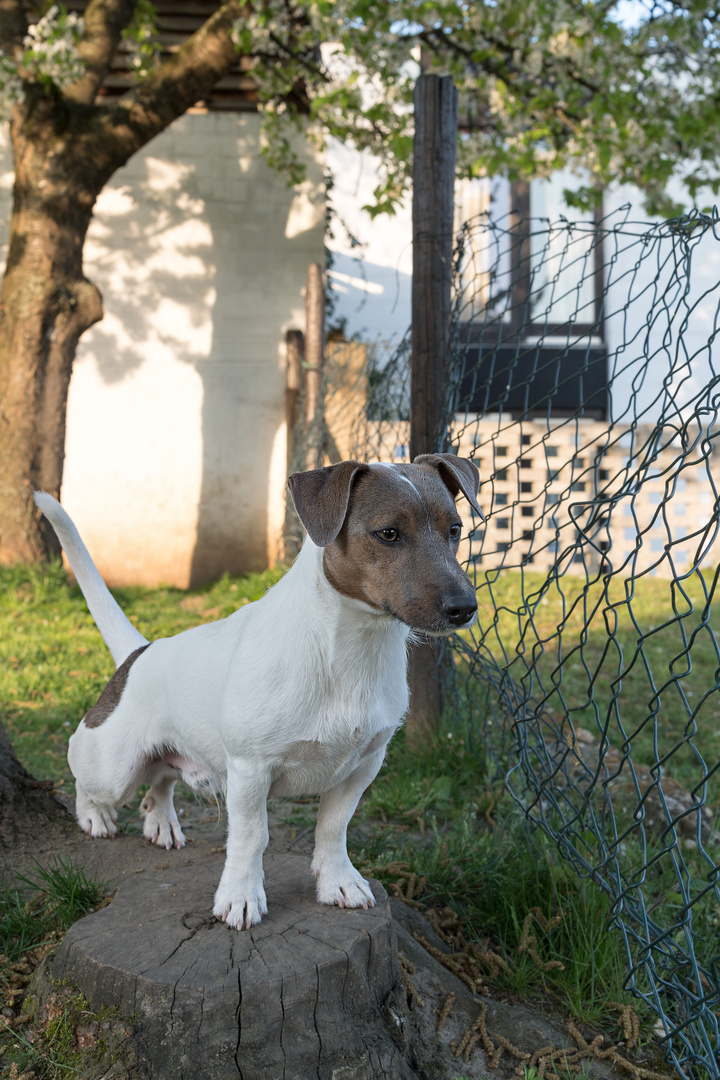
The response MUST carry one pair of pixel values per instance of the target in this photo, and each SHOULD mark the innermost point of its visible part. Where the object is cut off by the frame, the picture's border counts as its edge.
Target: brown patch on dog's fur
(109, 700)
(417, 578)
(321, 498)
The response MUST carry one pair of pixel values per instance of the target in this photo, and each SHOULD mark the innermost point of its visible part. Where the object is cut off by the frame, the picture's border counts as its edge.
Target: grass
(493, 874)
(649, 647)
(53, 663)
(59, 896)
(34, 915)
(437, 816)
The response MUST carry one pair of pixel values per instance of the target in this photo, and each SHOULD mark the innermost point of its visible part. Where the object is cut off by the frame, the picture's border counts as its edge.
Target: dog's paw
(97, 820)
(340, 883)
(240, 907)
(161, 823)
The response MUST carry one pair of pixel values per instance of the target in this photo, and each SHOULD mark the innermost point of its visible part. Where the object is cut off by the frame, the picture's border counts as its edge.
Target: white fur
(296, 694)
(398, 476)
(118, 632)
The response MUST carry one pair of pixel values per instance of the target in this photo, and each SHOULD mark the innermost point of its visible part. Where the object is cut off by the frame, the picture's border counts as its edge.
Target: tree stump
(313, 991)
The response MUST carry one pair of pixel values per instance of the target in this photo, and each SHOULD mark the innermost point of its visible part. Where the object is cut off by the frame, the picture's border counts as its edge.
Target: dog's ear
(458, 474)
(321, 498)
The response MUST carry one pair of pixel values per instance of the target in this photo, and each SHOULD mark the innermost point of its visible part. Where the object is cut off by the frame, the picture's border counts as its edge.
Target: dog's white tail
(117, 631)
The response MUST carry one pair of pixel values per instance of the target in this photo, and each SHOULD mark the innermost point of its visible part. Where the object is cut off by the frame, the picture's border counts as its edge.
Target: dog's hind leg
(106, 774)
(161, 822)
(98, 819)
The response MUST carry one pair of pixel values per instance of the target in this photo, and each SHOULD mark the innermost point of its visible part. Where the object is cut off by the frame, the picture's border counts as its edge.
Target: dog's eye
(455, 531)
(390, 536)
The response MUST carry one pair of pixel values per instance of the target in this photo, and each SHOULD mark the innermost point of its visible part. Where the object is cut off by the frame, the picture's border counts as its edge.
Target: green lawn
(441, 814)
(640, 664)
(54, 664)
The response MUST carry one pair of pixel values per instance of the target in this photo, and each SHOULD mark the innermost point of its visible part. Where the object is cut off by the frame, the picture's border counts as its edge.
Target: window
(526, 440)
(580, 485)
(525, 487)
(604, 474)
(501, 474)
(552, 498)
(502, 523)
(400, 451)
(501, 451)
(527, 511)
(551, 451)
(527, 534)
(500, 498)
(525, 463)
(540, 343)
(503, 545)
(680, 509)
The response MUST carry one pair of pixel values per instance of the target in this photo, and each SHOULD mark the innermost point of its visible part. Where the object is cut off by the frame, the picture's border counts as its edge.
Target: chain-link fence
(585, 383)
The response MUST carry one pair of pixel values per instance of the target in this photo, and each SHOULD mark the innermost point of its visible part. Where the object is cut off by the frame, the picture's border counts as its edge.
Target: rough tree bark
(66, 148)
(29, 811)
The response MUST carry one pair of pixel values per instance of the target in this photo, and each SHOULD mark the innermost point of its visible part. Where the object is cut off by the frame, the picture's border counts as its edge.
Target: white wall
(176, 444)
(371, 272)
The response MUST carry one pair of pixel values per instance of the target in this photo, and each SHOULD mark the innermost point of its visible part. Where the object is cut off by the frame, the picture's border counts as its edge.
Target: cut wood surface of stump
(309, 992)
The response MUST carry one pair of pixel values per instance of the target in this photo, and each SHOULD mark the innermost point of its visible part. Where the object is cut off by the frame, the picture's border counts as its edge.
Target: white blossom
(51, 55)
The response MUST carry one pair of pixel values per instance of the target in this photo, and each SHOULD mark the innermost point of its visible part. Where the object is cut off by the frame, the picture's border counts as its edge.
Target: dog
(296, 694)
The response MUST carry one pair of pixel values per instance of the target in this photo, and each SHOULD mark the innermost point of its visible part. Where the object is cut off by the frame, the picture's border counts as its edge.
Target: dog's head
(391, 535)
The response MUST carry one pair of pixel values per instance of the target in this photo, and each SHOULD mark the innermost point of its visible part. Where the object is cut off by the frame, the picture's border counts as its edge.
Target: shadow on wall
(201, 254)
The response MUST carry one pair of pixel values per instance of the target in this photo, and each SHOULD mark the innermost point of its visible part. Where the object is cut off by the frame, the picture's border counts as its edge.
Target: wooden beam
(436, 117)
(314, 362)
(436, 125)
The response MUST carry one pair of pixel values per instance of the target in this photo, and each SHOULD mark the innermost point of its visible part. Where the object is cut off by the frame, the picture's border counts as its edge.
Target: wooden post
(314, 358)
(436, 122)
(295, 350)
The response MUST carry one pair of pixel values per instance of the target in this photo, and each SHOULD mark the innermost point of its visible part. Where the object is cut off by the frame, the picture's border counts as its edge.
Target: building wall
(577, 496)
(176, 444)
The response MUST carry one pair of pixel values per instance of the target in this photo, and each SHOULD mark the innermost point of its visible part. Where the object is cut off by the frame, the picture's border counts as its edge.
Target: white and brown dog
(297, 694)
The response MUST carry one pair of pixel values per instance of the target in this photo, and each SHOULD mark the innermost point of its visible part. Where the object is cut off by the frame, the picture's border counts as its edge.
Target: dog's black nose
(459, 609)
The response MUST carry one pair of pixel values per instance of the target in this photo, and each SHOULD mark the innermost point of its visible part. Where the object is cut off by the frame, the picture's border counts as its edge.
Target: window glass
(562, 276)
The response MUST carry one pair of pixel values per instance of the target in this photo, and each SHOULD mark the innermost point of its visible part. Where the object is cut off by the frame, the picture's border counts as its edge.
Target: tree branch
(13, 26)
(105, 21)
(174, 86)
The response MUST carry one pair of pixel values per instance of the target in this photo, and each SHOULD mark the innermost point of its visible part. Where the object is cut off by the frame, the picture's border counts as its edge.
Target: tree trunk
(313, 991)
(29, 812)
(46, 303)
(66, 149)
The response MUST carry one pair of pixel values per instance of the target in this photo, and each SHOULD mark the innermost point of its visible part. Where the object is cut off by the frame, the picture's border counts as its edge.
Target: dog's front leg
(240, 897)
(338, 882)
